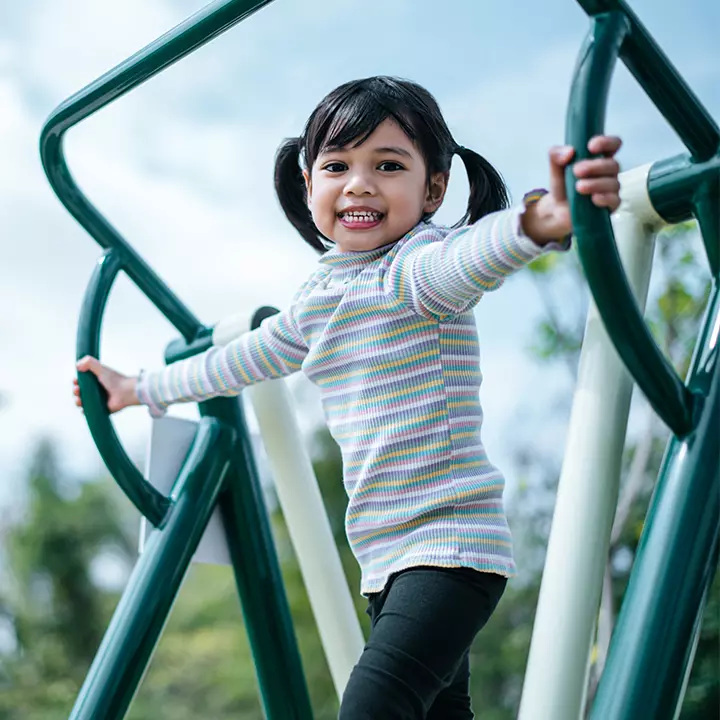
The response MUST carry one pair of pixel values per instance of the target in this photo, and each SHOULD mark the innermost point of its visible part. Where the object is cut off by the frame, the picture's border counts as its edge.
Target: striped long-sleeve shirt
(389, 337)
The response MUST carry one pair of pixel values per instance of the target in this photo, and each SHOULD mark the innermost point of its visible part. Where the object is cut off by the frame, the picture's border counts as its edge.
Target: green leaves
(551, 341)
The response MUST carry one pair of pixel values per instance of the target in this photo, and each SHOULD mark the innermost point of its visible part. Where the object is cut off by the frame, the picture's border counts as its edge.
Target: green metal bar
(707, 212)
(673, 185)
(265, 608)
(681, 188)
(256, 566)
(149, 501)
(107, 236)
(661, 81)
(180, 350)
(141, 614)
(206, 24)
(598, 252)
(260, 586)
(675, 562)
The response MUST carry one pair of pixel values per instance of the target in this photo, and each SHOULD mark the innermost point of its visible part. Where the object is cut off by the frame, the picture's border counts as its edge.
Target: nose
(359, 182)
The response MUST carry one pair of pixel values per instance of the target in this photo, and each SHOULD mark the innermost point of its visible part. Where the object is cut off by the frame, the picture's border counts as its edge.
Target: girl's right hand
(121, 389)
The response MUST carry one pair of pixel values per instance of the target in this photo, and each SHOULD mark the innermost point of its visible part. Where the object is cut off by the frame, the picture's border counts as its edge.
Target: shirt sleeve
(443, 277)
(273, 350)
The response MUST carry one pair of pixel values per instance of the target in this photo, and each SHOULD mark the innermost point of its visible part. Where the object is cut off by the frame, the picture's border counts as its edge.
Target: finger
(78, 402)
(604, 185)
(76, 391)
(604, 145)
(596, 168)
(88, 364)
(560, 157)
(94, 366)
(606, 200)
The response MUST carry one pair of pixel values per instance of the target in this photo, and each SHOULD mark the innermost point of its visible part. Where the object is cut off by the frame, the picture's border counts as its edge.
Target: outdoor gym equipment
(652, 646)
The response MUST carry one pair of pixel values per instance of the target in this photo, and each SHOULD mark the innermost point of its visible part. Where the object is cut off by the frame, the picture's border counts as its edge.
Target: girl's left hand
(597, 177)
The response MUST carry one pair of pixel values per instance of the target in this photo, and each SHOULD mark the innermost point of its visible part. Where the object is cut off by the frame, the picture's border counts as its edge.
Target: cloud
(77, 32)
(183, 168)
(172, 211)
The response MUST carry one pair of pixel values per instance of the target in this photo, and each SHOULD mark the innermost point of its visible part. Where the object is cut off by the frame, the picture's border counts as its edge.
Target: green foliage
(551, 341)
(58, 614)
(202, 666)
(499, 654)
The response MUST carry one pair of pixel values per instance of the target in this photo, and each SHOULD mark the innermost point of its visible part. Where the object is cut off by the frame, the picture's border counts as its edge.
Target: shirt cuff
(145, 397)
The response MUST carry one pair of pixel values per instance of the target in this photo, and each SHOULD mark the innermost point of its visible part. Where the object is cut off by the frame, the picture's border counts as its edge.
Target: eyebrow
(393, 150)
(378, 151)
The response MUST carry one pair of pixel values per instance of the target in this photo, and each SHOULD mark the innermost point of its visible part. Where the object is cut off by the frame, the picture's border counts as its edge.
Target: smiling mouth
(360, 218)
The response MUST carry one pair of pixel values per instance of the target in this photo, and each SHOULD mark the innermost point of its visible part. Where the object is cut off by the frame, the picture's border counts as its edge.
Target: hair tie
(459, 149)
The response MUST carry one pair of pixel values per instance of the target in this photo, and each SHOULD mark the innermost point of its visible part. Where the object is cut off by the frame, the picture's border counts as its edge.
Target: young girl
(384, 327)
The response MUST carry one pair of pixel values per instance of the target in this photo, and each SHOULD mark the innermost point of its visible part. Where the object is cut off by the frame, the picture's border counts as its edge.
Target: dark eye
(390, 166)
(335, 167)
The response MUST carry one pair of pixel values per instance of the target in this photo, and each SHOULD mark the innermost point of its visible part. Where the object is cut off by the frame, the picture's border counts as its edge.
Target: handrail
(206, 24)
(212, 20)
(673, 402)
(662, 83)
(146, 498)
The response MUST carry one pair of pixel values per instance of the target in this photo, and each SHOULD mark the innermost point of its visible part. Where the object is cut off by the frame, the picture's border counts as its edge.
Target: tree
(57, 614)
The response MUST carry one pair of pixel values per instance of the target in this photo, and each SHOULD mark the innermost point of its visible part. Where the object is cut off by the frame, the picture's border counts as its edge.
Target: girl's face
(368, 196)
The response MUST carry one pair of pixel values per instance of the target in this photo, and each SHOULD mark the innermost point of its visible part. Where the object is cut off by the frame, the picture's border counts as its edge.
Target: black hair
(350, 114)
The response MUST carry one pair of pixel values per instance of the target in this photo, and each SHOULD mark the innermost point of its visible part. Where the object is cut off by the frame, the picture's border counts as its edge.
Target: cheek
(412, 199)
(322, 209)
(323, 195)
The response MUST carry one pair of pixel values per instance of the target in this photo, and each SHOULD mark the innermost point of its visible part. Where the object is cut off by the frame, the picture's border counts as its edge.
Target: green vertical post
(674, 565)
(140, 616)
(264, 604)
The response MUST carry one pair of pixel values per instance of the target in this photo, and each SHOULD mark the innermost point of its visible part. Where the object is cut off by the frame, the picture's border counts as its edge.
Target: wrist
(130, 395)
(540, 220)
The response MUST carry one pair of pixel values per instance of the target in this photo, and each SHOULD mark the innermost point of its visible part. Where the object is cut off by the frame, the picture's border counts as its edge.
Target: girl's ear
(436, 191)
(308, 184)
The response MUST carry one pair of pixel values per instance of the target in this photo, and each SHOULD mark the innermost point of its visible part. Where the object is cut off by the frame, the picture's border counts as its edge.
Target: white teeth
(361, 216)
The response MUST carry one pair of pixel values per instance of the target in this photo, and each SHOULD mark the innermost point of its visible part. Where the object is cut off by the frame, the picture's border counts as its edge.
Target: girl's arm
(439, 277)
(273, 350)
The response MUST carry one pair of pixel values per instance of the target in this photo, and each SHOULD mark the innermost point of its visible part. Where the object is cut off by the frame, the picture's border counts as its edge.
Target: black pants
(415, 665)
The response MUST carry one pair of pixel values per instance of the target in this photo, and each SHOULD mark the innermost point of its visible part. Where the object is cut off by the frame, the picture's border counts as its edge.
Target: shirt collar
(338, 259)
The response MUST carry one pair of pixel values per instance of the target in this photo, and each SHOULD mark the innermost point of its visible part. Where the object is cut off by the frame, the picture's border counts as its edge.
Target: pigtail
(290, 189)
(487, 188)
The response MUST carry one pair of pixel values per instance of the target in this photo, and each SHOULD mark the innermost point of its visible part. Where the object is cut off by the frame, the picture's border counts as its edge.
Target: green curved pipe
(148, 500)
(601, 262)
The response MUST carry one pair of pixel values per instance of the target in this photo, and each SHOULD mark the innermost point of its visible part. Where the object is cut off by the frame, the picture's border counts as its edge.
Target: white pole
(588, 488)
(306, 519)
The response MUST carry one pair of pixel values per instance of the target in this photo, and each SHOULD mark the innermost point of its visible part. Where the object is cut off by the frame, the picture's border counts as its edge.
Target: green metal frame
(219, 469)
(677, 556)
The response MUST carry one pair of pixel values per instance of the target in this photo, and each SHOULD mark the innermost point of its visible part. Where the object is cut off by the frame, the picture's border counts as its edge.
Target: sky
(182, 166)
